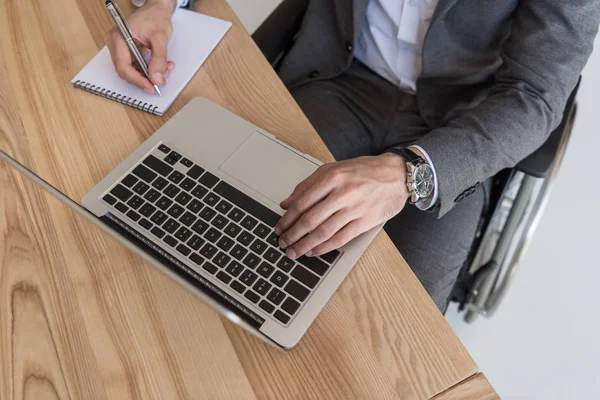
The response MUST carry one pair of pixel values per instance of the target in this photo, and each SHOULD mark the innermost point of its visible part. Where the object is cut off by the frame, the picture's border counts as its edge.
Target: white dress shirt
(390, 43)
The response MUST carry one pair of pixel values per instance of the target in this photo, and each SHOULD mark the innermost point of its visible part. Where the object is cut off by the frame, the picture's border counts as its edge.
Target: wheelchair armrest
(538, 163)
(275, 36)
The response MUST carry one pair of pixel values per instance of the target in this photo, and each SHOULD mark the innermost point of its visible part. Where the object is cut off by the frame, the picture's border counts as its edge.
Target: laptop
(200, 199)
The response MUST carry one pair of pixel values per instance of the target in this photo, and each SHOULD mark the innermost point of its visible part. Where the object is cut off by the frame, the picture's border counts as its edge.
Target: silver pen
(123, 27)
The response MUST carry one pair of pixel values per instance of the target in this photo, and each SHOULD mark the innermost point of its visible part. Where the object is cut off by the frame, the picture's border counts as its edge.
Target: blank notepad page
(194, 38)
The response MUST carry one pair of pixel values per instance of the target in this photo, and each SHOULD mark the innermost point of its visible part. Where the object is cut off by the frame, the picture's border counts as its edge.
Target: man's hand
(152, 29)
(340, 201)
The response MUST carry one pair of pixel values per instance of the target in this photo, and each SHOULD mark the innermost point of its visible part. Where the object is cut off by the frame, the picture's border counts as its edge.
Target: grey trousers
(359, 113)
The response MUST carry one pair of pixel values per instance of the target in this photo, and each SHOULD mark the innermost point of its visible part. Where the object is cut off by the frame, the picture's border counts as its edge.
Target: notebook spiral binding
(129, 101)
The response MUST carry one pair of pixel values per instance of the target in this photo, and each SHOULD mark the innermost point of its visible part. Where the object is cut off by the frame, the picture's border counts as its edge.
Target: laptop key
(159, 218)
(248, 277)
(276, 296)
(171, 190)
(262, 231)
(121, 192)
(314, 264)
(129, 180)
(133, 215)
(183, 249)
(170, 226)
(245, 238)
(211, 199)
(296, 290)
(200, 227)
(156, 231)
(147, 210)
(253, 297)
(237, 286)
(221, 259)
(281, 317)
(164, 148)
(304, 276)
(195, 172)
(208, 179)
(220, 221)
(238, 252)
(175, 211)
(247, 203)
(331, 256)
(290, 306)
(145, 223)
(194, 206)
(175, 155)
(208, 250)
(187, 184)
(163, 203)
(258, 246)
(223, 207)
(144, 173)
(262, 287)
(196, 242)
(195, 257)
(273, 240)
(176, 176)
(265, 269)
(170, 240)
(225, 243)
(249, 222)
(251, 260)
(183, 234)
(152, 195)
(232, 230)
(285, 264)
(141, 188)
(236, 214)
(212, 235)
(135, 202)
(109, 199)
(170, 160)
(183, 198)
(157, 165)
(207, 213)
(265, 305)
(272, 255)
(187, 218)
(160, 183)
(210, 267)
(199, 191)
(224, 277)
(186, 162)
(279, 278)
(234, 268)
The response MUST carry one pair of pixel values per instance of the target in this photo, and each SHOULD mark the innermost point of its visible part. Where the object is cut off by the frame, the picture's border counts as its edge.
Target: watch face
(423, 180)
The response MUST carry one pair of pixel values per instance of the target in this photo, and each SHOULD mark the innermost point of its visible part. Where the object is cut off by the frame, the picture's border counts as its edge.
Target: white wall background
(544, 341)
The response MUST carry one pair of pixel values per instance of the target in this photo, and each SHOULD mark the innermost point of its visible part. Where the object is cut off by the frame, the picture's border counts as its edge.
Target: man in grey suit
(424, 100)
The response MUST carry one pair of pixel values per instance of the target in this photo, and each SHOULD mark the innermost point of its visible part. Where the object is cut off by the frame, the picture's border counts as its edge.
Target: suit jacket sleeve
(549, 44)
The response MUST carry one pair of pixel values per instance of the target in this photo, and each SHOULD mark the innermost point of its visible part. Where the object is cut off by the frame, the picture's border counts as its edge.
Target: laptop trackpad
(268, 167)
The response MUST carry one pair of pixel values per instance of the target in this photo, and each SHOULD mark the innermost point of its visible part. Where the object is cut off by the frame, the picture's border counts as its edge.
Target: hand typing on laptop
(152, 29)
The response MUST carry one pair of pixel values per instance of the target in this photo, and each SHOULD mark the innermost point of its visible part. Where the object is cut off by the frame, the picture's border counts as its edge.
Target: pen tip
(157, 90)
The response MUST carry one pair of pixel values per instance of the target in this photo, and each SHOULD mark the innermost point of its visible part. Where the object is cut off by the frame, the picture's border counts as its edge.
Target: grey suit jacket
(495, 80)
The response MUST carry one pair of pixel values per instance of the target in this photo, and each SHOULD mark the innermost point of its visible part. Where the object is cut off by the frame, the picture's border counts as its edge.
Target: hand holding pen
(151, 27)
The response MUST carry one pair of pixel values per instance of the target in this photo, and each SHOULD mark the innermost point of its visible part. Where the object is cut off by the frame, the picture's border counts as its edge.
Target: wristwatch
(420, 179)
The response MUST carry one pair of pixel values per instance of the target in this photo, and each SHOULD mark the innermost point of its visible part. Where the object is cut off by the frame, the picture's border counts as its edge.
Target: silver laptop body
(200, 199)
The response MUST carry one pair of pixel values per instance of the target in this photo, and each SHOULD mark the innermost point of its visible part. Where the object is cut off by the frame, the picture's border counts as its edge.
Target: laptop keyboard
(225, 234)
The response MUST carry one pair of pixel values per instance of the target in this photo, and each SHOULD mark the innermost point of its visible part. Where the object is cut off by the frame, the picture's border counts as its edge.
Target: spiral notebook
(194, 38)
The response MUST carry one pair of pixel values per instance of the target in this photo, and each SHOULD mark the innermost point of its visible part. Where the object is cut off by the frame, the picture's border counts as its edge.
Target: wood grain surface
(476, 387)
(83, 318)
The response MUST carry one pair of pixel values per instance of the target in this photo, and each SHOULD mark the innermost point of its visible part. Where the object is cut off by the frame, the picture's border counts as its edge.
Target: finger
(301, 188)
(320, 235)
(311, 196)
(121, 58)
(310, 220)
(158, 60)
(343, 236)
(170, 66)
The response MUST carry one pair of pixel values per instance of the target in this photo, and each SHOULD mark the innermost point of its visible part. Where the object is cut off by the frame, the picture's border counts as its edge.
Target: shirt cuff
(430, 202)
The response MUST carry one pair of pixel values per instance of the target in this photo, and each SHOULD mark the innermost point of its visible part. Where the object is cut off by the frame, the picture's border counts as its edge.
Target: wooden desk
(83, 318)
(476, 387)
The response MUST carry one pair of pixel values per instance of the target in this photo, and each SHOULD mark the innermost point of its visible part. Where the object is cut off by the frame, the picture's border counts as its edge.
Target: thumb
(158, 60)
